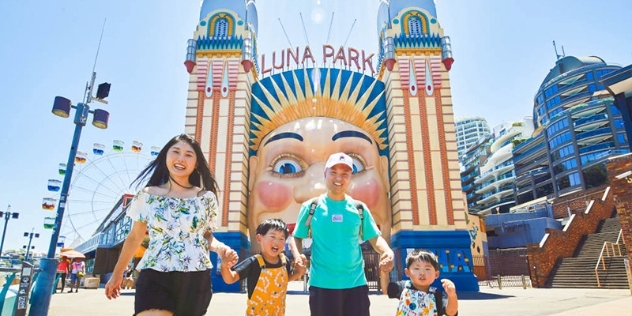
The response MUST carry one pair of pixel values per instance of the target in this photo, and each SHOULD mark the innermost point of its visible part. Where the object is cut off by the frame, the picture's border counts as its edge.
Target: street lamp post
(28, 248)
(61, 107)
(7, 215)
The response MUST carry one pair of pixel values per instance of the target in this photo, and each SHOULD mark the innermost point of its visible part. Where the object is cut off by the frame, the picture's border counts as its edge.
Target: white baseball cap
(339, 158)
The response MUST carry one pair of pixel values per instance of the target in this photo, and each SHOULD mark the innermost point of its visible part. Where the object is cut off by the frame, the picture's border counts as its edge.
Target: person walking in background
(416, 296)
(62, 272)
(335, 221)
(128, 279)
(268, 272)
(78, 269)
(178, 207)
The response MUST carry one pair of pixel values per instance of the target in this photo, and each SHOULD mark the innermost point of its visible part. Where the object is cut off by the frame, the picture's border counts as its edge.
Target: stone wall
(622, 193)
(558, 244)
(576, 202)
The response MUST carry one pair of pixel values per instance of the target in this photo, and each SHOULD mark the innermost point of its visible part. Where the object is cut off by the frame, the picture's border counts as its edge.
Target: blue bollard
(43, 290)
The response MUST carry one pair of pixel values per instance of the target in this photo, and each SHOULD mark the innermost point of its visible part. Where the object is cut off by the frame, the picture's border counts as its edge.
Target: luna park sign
(346, 57)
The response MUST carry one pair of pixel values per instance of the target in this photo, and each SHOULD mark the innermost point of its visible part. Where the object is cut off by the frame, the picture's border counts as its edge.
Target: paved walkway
(489, 301)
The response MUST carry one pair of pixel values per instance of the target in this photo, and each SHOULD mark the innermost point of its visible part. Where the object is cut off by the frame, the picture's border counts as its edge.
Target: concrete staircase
(579, 271)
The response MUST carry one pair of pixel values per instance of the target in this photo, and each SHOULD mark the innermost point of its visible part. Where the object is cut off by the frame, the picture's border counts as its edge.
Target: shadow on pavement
(462, 295)
(480, 296)
(291, 292)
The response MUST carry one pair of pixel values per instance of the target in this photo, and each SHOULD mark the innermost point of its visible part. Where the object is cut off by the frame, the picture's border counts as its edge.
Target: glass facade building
(470, 162)
(494, 193)
(468, 132)
(577, 127)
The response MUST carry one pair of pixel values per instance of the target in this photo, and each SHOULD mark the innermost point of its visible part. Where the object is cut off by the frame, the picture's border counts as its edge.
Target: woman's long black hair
(158, 172)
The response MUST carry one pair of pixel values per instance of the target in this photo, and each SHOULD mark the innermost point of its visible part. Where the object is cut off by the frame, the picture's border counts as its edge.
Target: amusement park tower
(220, 63)
(268, 134)
(427, 200)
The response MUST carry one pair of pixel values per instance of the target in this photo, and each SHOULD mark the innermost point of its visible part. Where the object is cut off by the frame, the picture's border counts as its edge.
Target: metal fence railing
(507, 281)
(503, 268)
(371, 268)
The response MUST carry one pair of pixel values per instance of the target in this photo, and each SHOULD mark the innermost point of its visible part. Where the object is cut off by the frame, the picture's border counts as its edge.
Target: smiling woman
(298, 128)
(178, 210)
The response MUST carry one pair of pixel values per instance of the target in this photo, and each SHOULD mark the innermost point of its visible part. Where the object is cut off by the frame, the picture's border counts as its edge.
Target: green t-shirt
(336, 260)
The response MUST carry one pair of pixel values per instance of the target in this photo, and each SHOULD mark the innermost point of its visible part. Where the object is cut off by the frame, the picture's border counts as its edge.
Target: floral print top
(413, 302)
(176, 229)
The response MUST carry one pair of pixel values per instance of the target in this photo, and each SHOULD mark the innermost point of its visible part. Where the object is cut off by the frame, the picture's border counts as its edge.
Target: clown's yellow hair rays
(335, 99)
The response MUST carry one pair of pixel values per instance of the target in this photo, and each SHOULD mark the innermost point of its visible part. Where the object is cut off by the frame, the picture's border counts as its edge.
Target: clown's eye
(287, 166)
(358, 163)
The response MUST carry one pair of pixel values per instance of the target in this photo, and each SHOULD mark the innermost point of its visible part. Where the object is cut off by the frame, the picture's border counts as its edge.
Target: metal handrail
(619, 236)
(601, 256)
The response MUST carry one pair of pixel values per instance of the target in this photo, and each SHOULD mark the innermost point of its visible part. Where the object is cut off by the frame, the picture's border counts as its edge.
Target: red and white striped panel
(435, 68)
(404, 73)
(218, 70)
(420, 70)
(202, 71)
(233, 73)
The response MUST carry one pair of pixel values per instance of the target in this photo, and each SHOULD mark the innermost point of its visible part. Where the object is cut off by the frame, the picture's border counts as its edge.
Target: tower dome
(252, 18)
(247, 11)
(398, 5)
(570, 63)
(382, 16)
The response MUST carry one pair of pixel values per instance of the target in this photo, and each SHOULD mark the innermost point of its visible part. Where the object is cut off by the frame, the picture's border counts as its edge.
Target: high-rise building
(468, 132)
(577, 128)
(471, 160)
(495, 183)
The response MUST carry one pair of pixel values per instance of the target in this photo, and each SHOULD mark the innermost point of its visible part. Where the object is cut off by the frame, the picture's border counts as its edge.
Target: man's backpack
(312, 209)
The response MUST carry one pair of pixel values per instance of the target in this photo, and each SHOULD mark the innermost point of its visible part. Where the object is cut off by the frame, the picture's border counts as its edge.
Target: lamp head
(101, 118)
(61, 107)
(103, 90)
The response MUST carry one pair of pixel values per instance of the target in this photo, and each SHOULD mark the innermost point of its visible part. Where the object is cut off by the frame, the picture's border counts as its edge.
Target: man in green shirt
(336, 223)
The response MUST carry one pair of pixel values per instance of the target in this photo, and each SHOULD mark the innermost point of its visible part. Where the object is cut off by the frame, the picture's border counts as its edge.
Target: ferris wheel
(99, 180)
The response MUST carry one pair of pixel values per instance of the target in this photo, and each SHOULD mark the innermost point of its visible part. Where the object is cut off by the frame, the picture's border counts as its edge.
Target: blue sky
(502, 50)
